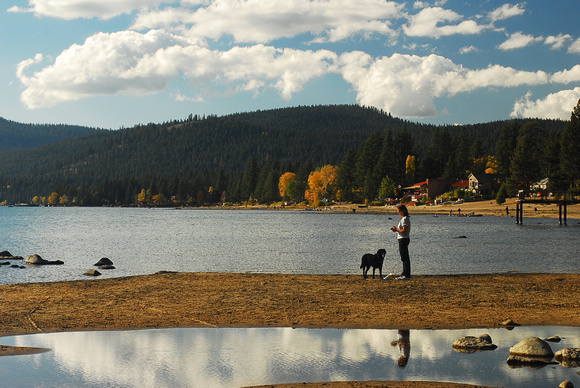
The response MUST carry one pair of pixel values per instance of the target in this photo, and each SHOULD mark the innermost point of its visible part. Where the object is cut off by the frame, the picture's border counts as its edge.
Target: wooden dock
(562, 208)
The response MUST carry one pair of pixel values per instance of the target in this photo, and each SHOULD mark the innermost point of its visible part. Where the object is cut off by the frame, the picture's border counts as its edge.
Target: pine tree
(527, 161)
(570, 147)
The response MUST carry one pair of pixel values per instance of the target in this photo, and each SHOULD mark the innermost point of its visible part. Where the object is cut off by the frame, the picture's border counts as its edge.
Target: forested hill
(15, 136)
(315, 135)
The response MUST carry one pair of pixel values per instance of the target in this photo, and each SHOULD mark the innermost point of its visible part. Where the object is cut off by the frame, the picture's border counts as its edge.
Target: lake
(144, 241)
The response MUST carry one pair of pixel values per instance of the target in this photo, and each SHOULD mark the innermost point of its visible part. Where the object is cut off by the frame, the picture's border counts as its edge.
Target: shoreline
(485, 208)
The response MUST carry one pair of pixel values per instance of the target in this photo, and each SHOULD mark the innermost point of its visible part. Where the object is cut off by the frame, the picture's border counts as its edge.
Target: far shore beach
(487, 208)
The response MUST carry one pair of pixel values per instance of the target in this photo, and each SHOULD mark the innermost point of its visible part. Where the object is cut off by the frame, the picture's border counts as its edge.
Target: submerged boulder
(470, 344)
(38, 260)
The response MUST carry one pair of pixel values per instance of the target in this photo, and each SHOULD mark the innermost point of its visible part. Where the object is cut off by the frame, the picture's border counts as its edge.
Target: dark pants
(404, 251)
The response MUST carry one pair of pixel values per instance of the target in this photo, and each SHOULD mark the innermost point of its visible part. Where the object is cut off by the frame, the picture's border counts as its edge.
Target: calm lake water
(236, 357)
(144, 241)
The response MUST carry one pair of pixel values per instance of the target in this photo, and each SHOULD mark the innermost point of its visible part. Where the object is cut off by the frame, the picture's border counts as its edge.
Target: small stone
(566, 384)
(509, 322)
(554, 338)
(469, 344)
(92, 272)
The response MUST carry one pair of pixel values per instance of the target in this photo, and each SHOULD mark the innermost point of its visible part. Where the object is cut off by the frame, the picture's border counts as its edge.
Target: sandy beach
(280, 300)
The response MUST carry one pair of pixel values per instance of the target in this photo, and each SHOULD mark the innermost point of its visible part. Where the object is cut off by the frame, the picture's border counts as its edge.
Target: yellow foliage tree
(142, 196)
(491, 166)
(53, 198)
(320, 183)
(286, 178)
(410, 168)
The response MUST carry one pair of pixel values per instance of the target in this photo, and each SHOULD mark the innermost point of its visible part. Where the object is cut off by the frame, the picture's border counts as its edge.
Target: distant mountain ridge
(317, 135)
(16, 136)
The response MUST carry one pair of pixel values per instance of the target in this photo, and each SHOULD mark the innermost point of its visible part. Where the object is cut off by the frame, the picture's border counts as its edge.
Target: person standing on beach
(403, 237)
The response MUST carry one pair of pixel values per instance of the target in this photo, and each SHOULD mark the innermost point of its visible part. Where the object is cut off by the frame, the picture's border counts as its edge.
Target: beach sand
(281, 300)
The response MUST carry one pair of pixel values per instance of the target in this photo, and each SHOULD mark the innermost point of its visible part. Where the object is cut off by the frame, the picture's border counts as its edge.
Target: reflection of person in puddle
(404, 347)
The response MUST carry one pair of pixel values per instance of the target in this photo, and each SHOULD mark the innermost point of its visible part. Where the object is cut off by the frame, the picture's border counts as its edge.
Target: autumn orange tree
(285, 179)
(321, 184)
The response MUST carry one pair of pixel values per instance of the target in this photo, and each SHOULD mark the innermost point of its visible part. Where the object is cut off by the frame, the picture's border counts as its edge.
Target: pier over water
(562, 207)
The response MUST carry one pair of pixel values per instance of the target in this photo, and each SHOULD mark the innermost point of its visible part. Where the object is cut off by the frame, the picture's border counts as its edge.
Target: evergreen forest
(309, 154)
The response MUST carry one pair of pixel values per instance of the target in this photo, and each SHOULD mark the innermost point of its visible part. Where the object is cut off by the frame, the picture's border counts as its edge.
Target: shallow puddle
(235, 357)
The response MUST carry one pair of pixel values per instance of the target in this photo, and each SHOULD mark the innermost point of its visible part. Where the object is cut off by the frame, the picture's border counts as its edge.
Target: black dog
(376, 261)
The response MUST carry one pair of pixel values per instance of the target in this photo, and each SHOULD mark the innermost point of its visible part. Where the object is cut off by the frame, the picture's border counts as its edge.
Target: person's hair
(403, 208)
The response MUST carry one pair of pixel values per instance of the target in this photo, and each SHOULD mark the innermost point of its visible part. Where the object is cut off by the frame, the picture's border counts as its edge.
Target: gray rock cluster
(531, 352)
(104, 263)
(7, 259)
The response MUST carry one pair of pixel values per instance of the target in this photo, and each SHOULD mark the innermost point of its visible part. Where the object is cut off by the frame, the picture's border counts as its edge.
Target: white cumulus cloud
(406, 85)
(507, 11)
(268, 20)
(556, 105)
(431, 22)
(567, 76)
(557, 42)
(519, 40)
(575, 47)
(76, 9)
(138, 64)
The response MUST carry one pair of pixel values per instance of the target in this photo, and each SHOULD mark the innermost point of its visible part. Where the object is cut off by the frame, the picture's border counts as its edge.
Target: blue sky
(118, 63)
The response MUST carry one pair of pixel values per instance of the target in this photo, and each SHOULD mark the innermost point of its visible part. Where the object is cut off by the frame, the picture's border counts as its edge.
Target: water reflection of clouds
(253, 356)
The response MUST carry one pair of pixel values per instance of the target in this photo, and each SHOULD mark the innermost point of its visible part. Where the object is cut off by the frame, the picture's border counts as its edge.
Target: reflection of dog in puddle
(376, 261)
(404, 347)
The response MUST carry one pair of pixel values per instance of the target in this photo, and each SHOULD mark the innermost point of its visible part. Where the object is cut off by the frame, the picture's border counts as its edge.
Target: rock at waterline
(470, 344)
(92, 272)
(554, 338)
(568, 357)
(568, 354)
(532, 346)
(530, 351)
(36, 259)
(8, 256)
(103, 261)
(566, 384)
(106, 267)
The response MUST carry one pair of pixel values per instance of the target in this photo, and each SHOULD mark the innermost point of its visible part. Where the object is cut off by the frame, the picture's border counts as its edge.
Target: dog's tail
(362, 263)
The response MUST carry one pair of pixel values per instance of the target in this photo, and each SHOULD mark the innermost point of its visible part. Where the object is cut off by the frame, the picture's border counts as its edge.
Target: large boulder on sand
(36, 259)
(469, 344)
